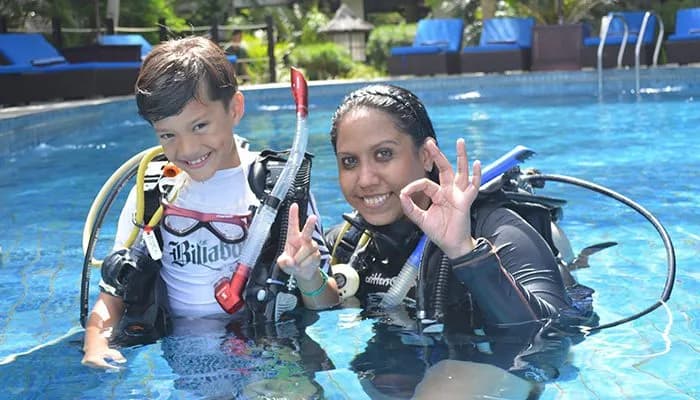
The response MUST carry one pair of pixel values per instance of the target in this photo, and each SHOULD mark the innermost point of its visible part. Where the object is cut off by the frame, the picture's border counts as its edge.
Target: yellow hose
(346, 227)
(140, 199)
(142, 158)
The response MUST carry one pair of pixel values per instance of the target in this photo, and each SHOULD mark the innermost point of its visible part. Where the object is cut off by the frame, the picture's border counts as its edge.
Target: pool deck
(542, 76)
(18, 111)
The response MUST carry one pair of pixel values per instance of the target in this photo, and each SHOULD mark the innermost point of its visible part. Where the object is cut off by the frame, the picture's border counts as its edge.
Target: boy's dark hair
(180, 70)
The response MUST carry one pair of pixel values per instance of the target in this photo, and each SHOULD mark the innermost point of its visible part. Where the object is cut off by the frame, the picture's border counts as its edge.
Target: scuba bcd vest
(511, 192)
(133, 275)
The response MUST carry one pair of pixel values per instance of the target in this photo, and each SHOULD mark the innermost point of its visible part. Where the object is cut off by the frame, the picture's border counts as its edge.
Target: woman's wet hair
(404, 108)
(177, 71)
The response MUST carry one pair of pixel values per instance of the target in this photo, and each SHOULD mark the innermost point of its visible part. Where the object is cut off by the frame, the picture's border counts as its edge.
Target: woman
(483, 267)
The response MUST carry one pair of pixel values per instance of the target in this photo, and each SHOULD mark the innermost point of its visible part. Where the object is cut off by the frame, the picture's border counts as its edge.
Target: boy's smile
(199, 139)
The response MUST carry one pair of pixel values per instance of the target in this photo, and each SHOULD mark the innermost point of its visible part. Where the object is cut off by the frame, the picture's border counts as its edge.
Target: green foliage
(256, 45)
(322, 60)
(363, 71)
(299, 23)
(572, 11)
(312, 22)
(139, 13)
(383, 38)
(205, 12)
(392, 18)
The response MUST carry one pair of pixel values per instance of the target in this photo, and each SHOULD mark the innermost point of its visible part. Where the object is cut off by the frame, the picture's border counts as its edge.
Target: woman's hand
(301, 256)
(447, 221)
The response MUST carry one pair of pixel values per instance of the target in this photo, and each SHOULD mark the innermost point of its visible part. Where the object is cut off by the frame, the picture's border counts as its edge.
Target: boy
(187, 91)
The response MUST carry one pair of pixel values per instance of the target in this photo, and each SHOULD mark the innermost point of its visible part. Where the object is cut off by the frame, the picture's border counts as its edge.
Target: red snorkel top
(300, 92)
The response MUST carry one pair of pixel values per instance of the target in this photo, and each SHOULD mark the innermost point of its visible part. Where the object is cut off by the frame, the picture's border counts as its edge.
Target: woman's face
(375, 161)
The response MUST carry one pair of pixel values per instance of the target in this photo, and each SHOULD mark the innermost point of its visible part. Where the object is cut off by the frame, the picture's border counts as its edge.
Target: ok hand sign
(447, 221)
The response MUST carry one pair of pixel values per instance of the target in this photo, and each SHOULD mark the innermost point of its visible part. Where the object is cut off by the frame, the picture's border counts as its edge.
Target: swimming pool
(51, 166)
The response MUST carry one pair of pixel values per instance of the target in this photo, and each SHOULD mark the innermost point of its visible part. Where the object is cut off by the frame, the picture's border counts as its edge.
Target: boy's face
(199, 140)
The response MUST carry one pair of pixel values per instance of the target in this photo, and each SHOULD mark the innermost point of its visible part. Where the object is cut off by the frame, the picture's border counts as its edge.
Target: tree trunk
(488, 8)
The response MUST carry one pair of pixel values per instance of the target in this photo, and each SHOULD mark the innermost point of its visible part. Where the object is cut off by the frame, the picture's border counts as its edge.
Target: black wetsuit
(509, 285)
(510, 277)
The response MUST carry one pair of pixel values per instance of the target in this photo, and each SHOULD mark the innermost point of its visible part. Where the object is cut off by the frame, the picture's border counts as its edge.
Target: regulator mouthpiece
(300, 91)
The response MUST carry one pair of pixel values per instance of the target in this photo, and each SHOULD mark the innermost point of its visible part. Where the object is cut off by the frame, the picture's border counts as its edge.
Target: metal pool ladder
(637, 49)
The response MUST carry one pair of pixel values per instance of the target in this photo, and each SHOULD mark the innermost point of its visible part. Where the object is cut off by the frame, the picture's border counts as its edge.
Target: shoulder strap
(346, 238)
(153, 190)
(262, 176)
(538, 211)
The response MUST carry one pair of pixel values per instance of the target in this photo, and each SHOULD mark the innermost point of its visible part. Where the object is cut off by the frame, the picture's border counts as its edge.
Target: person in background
(236, 47)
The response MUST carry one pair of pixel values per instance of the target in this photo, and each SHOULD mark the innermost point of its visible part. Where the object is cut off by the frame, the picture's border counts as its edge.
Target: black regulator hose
(99, 219)
(441, 287)
(670, 252)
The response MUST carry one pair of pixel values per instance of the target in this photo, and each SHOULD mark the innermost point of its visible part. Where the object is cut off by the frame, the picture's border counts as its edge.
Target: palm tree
(557, 11)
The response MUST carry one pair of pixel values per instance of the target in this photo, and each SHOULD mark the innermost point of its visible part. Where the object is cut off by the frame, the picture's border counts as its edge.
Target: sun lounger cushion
(39, 62)
(687, 25)
(616, 29)
(130, 39)
(513, 31)
(26, 48)
(434, 36)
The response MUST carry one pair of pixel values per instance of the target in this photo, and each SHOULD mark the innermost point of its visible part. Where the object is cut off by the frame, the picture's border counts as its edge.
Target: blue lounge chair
(504, 45)
(614, 40)
(36, 71)
(683, 47)
(435, 49)
(126, 40)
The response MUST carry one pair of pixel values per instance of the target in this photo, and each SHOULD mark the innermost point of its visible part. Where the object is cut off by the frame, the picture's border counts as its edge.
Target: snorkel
(229, 292)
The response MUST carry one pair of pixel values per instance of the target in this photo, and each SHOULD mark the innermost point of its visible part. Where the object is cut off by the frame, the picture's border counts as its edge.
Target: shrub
(383, 38)
(322, 60)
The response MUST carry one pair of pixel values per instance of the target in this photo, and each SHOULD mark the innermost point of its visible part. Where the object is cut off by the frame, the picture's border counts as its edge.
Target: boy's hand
(99, 358)
(301, 256)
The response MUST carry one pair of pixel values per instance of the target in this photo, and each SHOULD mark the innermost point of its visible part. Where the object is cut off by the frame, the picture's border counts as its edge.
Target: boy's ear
(237, 107)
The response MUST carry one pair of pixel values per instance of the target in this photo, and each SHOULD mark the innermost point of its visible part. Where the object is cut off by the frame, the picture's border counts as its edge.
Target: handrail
(638, 46)
(603, 36)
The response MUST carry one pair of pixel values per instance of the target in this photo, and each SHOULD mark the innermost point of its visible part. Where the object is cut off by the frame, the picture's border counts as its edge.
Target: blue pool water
(51, 166)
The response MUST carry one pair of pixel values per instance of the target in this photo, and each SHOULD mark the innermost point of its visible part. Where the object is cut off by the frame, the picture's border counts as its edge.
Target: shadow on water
(212, 359)
(322, 355)
(49, 372)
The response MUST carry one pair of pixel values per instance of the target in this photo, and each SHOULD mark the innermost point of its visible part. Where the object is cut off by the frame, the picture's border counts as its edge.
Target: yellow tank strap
(345, 228)
(140, 200)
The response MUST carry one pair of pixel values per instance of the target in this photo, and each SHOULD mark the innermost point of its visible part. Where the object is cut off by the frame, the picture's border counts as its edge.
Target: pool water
(644, 147)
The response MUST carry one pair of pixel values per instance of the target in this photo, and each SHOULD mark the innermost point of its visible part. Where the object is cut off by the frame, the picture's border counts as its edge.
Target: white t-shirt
(193, 264)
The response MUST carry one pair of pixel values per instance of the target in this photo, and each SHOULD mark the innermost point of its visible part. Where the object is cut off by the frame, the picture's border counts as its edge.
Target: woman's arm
(511, 274)
(510, 271)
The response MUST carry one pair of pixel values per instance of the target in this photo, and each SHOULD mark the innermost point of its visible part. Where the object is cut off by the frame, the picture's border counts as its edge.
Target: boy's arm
(105, 315)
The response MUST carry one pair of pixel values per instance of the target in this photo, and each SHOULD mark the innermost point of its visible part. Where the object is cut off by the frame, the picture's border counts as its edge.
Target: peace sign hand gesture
(447, 221)
(301, 256)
